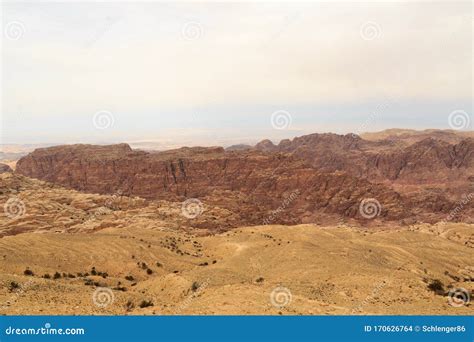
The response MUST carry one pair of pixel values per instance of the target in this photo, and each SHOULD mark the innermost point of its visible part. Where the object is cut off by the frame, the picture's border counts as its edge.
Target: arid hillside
(260, 270)
(67, 252)
(321, 224)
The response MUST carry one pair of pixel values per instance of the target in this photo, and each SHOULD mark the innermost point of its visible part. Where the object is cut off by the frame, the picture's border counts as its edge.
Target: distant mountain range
(411, 176)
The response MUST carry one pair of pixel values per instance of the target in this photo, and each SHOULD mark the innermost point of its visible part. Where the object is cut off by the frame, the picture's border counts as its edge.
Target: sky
(216, 73)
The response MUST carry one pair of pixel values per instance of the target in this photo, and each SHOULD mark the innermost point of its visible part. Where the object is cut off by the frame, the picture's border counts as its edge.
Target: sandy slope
(323, 270)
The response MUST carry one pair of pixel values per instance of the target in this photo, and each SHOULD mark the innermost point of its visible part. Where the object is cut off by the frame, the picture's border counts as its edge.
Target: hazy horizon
(218, 73)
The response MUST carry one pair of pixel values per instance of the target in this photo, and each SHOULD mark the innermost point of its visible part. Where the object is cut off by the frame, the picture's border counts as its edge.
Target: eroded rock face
(283, 186)
(5, 168)
(426, 161)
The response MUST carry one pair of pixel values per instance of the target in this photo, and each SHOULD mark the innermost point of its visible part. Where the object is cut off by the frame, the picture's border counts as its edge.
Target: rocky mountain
(322, 222)
(238, 147)
(427, 161)
(61, 246)
(410, 136)
(314, 178)
(5, 168)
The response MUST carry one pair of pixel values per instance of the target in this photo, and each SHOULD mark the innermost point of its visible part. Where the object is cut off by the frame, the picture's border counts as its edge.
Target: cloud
(76, 59)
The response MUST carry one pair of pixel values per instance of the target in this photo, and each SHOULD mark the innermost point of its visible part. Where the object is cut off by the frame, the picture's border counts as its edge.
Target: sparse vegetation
(129, 306)
(129, 278)
(195, 286)
(13, 286)
(46, 276)
(28, 272)
(149, 271)
(57, 275)
(436, 286)
(146, 303)
(259, 280)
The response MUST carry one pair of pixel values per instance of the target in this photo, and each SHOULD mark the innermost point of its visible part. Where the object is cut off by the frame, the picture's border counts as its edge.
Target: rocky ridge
(315, 178)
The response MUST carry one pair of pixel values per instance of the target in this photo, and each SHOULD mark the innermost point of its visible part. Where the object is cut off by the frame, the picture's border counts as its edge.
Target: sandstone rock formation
(314, 177)
(5, 168)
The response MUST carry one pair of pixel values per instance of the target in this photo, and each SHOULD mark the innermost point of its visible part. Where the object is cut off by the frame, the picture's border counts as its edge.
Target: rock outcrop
(309, 179)
(5, 168)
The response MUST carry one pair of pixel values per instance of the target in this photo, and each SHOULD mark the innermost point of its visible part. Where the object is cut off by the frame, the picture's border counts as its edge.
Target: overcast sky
(209, 73)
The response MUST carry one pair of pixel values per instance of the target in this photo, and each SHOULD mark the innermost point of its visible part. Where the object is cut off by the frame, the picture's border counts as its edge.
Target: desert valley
(380, 223)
